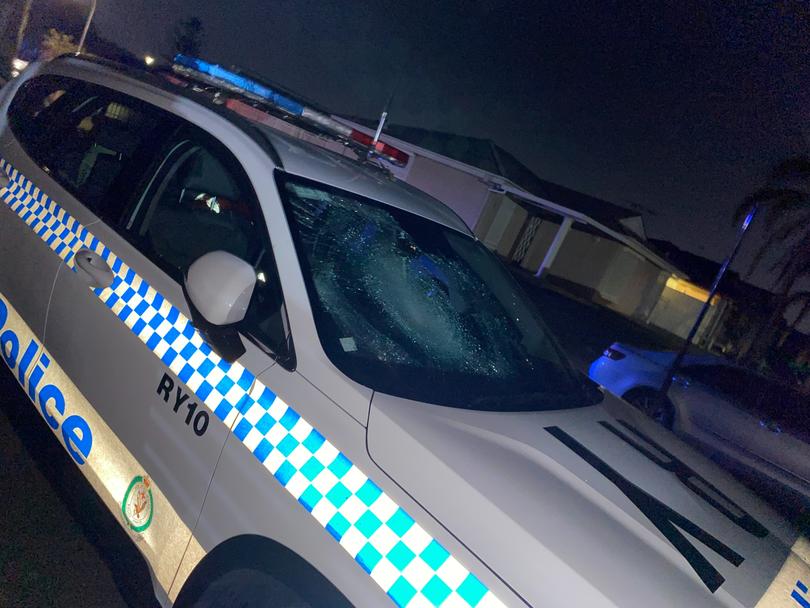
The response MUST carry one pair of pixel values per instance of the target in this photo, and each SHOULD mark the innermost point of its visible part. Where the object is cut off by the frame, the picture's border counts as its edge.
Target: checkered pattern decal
(399, 555)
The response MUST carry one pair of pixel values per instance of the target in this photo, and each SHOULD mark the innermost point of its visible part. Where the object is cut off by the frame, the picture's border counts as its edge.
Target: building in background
(586, 247)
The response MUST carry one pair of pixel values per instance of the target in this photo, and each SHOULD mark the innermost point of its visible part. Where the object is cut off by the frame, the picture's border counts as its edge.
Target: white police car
(300, 383)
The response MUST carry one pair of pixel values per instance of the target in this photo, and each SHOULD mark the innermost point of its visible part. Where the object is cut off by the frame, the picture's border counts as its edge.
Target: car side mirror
(219, 287)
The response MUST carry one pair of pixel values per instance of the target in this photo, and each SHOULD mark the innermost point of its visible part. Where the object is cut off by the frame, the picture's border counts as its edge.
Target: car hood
(567, 511)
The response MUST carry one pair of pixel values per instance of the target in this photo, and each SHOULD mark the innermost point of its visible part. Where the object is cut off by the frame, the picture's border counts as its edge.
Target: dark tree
(188, 36)
(784, 202)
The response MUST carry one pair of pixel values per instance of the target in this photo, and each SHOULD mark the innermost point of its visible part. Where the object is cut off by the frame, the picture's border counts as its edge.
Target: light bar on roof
(246, 84)
(218, 76)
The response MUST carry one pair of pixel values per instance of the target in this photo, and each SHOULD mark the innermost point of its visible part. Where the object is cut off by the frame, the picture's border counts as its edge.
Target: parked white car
(745, 420)
(298, 382)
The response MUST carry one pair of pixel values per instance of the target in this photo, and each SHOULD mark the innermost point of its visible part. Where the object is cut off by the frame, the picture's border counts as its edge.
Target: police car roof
(302, 158)
(313, 162)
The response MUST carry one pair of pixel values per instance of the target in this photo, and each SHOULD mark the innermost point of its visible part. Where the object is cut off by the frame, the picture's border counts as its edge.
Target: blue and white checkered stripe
(400, 556)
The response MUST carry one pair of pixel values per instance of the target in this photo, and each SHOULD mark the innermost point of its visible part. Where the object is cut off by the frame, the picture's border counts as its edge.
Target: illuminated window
(690, 289)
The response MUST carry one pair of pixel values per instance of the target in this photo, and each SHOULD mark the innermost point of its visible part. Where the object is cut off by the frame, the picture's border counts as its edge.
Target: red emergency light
(385, 150)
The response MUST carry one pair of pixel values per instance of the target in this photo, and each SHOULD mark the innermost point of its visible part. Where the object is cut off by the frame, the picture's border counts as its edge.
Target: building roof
(487, 155)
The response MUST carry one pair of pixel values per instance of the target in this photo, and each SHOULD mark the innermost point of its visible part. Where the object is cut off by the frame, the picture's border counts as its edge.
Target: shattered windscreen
(411, 308)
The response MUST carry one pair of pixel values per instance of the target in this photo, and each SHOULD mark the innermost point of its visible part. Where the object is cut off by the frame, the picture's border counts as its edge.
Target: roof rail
(127, 68)
(254, 99)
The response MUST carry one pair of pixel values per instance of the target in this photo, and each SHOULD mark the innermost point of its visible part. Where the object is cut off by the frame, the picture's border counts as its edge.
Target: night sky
(678, 109)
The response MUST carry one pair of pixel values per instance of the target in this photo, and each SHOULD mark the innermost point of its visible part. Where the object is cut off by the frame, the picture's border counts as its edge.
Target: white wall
(584, 258)
(462, 192)
(504, 211)
(631, 283)
(676, 312)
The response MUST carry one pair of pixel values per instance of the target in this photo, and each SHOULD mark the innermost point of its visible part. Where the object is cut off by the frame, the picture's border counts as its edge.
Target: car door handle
(770, 425)
(94, 269)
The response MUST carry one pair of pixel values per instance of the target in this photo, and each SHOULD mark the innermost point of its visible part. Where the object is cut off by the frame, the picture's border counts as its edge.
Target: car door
(718, 405)
(27, 264)
(158, 401)
(783, 437)
(90, 143)
(747, 416)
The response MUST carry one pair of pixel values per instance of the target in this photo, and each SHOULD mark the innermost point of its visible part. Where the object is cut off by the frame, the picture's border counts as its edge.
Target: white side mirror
(220, 286)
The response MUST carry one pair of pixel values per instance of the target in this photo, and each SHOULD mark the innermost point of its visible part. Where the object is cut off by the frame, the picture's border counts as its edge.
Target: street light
(17, 66)
(86, 26)
(679, 357)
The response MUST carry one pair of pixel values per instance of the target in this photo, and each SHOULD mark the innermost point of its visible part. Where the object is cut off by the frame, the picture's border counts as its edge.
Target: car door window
(198, 208)
(85, 136)
(198, 201)
(737, 386)
(755, 394)
(791, 409)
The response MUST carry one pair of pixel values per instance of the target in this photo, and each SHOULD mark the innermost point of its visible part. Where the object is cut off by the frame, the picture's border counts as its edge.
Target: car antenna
(383, 118)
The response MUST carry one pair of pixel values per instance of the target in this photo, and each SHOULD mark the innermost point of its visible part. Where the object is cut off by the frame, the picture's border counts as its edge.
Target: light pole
(86, 26)
(676, 363)
(26, 13)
